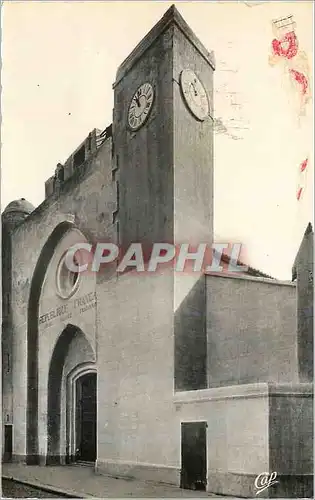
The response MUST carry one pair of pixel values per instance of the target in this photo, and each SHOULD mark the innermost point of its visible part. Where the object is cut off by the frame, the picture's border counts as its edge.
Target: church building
(200, 380)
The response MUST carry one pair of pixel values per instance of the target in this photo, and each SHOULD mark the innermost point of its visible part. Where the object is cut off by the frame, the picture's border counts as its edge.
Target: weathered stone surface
(251, 331)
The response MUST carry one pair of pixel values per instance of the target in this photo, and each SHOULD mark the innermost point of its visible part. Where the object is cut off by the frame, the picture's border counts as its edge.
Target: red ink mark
(287, 46)
(301, 79)
(299, 192)
(303, 165)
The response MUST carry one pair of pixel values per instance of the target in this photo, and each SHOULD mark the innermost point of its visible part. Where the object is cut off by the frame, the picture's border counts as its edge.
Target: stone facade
(167, 348)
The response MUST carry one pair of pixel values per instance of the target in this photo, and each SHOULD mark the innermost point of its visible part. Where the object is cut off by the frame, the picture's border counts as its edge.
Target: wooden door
(194, 455)
(86, 418)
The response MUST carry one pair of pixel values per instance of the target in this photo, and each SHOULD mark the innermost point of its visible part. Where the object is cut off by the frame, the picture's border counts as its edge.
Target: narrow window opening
(79, 157)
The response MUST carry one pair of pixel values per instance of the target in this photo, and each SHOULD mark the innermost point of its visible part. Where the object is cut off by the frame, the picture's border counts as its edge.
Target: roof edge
(250, 271)
(248, 277)
(308, 230)
(171, 16)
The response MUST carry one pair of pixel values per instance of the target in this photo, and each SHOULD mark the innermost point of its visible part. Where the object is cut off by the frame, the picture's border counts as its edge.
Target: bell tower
(163, 137)
(163, 166)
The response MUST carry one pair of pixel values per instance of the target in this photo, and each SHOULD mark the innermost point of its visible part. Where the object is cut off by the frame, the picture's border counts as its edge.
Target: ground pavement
(80, 481)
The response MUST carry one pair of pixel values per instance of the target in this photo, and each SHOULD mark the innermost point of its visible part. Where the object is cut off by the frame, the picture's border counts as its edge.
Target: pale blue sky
(59, 63)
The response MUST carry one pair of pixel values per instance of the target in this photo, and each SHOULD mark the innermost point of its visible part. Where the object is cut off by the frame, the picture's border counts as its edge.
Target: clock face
(140, 106)
(194, 94)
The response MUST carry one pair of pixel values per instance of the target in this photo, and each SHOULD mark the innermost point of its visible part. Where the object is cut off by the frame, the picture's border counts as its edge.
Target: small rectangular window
(61, 174)
(79, 157)
(89, 141)
(8, 442)
(118, 235)
(118, 195)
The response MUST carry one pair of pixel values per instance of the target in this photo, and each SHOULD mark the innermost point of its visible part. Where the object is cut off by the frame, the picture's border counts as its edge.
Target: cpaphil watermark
(264, 481)
(183, 258)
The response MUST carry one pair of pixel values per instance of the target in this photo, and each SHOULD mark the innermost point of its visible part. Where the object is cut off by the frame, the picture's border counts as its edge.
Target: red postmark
(301, 79)
(287, 46)
(303, 165)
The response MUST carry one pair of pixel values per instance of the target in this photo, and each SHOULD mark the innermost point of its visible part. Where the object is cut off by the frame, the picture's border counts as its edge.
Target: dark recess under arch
(54, 392)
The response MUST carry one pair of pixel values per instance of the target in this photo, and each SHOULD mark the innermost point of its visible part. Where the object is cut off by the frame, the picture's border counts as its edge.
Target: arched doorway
(82, 413)
(85, 418)
(80, 397)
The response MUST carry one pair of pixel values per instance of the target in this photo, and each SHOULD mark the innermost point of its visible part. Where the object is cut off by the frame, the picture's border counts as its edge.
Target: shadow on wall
(191, 340)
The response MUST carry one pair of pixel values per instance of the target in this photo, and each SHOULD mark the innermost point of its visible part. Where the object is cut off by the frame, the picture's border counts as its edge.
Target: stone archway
(32, 455)
(54, 392)
(38, 278)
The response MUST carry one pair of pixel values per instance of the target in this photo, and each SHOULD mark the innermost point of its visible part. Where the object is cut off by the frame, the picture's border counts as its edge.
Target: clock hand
(194, 89)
